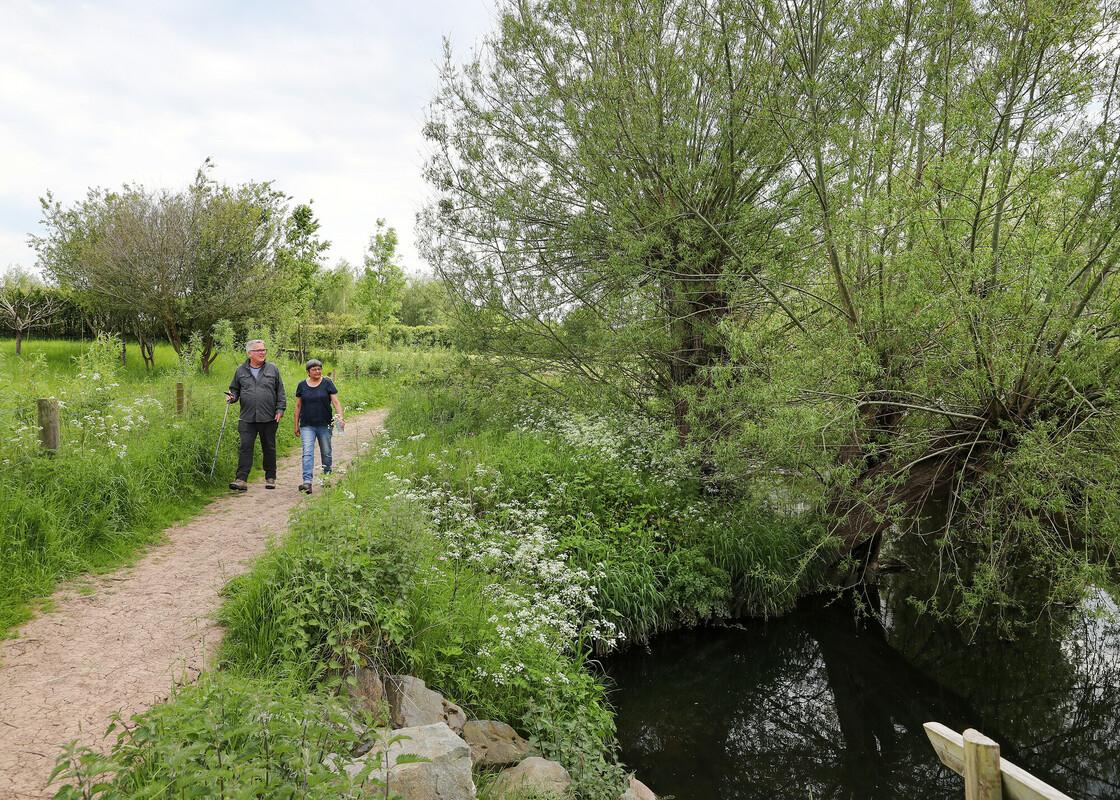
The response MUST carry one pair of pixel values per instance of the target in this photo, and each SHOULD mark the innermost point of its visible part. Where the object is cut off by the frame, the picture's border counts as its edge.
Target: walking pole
(219, 445)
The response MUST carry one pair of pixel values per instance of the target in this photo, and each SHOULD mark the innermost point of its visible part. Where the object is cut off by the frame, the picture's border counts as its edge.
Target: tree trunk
(19, 341)
(866, 512)
(209, 355)
(148, 353)
(173, 336)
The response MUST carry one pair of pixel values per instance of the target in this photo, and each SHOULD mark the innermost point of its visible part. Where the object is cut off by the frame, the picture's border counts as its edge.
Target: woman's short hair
(312, 362)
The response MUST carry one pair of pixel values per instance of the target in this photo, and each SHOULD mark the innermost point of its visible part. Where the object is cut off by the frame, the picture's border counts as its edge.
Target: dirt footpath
(141, 631)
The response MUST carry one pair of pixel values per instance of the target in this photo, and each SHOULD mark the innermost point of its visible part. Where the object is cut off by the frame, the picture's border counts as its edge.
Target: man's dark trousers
(249, 432)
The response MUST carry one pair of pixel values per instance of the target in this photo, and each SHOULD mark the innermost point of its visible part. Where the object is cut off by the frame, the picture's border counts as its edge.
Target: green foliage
(882, 278)
(460, 554)
(492, 545)
(410, 365)
(345, 330)
(326, 599)
(335, 289)
(425, 302)
(382, 283)
(179, 262)
(420, 336)
(225, 337)
(220, 737)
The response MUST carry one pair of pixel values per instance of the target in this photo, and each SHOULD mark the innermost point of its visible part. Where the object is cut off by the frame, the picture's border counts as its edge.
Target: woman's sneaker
(239, 485)
(305, 488)
(270, 483)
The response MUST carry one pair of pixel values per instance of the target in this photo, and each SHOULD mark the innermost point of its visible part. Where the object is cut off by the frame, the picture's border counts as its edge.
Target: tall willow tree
(867, 249)
(605, 182)
(960, 217)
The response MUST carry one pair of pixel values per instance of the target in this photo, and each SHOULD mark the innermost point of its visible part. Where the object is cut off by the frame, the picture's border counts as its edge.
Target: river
(825, 703)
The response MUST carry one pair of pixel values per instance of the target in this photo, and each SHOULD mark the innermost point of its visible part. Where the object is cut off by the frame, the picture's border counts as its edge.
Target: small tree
(23, 309)
(300, 261)
(182, 259)
(382, 283)
(335, 289)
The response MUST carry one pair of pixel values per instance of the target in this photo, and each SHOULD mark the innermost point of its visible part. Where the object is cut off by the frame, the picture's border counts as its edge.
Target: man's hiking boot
(305, 488)
(239, 485)
(270, 483)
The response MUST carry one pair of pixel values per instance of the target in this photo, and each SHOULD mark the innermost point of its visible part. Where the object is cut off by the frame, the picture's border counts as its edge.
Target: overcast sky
(325, 98)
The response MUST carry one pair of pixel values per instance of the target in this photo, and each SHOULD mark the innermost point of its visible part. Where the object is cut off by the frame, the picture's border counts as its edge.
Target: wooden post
(1016, 782)
(180, 399)
(50, 436)
(981, 767)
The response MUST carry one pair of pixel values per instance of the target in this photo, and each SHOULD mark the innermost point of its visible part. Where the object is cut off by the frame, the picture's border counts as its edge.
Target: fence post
(982, 779)
(49, 428)
(180, 399)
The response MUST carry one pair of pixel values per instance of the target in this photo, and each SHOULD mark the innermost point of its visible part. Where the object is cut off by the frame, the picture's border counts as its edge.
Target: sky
(326, 99)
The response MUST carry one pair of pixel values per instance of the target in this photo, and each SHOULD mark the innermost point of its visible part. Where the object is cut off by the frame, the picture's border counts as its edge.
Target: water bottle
(339, 427)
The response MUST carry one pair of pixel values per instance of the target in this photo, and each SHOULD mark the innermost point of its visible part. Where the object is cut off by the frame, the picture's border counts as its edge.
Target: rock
(445, 775)
(412, 704)
(495, 743)
(368, 691)
(637, 791)
(534, 774)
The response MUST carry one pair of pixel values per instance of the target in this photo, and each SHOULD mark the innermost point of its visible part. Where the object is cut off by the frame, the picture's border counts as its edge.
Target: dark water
(819, 705)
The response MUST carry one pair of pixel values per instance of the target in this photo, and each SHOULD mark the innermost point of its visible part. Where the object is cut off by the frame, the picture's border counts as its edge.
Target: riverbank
(492, 548)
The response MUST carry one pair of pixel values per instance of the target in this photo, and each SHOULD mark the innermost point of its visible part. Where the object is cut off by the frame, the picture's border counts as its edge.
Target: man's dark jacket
(261, 397)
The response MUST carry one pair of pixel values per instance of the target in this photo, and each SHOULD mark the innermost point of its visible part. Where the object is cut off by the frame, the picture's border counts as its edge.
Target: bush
(424, 336)
(328, 598)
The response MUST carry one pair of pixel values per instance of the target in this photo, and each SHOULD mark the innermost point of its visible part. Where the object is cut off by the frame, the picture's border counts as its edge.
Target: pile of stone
(432, 751)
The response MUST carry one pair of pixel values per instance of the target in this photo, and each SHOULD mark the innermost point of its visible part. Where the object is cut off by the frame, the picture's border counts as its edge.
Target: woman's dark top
(315, 408)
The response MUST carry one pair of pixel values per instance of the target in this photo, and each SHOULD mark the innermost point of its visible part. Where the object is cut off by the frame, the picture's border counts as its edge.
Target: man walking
(259, 388)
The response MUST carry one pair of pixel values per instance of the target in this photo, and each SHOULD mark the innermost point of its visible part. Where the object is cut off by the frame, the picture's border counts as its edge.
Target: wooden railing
(986, 775)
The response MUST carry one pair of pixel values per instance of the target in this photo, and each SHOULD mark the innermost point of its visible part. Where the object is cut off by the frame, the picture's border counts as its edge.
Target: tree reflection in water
(815, 705)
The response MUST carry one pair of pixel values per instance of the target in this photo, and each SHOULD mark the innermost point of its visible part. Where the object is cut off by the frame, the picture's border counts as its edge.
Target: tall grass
(128, 464)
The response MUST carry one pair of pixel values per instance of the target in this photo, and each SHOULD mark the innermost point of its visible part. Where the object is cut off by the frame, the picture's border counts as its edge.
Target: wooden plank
(981, 767)
(1018, 784)
(948, 744)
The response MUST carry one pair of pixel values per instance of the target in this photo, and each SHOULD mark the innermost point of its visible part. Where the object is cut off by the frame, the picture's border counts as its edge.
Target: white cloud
(326, 99)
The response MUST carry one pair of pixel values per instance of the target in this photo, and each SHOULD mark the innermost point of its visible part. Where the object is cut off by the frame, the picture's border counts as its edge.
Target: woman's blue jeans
(307, 436)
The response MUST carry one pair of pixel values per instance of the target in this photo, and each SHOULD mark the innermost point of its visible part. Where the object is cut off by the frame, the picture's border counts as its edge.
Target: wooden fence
(986, 775)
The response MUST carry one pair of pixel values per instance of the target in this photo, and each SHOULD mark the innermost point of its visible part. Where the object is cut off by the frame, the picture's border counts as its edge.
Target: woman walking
(314, 399)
